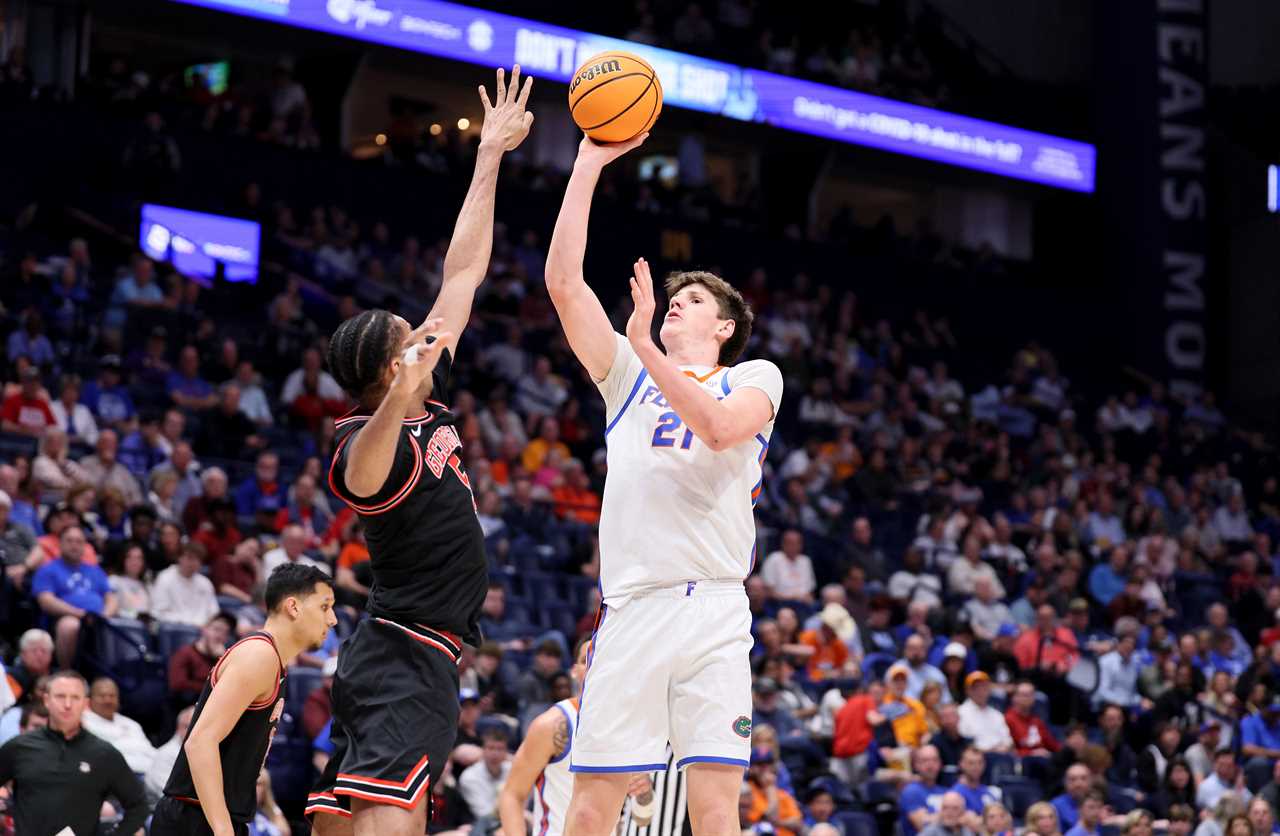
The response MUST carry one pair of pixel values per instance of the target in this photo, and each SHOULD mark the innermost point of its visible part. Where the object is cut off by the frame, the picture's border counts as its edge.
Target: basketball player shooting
(686, 434)
(397, 463)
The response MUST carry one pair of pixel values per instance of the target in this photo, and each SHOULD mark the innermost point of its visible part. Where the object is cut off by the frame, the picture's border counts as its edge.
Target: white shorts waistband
(684, 589)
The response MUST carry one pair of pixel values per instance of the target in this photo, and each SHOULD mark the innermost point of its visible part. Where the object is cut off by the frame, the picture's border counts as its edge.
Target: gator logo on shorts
(742, 726)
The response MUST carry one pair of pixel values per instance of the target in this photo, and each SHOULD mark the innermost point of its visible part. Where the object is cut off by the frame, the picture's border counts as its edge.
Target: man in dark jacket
(61, 774)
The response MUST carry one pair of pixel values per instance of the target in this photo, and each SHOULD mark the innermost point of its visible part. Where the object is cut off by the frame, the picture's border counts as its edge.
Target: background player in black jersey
(397, 463)
(213, 786)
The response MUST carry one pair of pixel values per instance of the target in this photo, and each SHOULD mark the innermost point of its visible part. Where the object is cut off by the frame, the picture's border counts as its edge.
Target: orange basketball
(614, 96)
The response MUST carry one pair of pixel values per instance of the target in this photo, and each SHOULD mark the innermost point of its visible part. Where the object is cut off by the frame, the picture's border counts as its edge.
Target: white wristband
(642, 811)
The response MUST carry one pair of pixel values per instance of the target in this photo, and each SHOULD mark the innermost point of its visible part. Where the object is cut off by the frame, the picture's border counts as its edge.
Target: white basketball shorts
(671, 664)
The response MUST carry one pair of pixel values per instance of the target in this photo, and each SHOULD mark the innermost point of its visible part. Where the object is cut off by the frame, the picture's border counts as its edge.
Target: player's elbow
(558, 277)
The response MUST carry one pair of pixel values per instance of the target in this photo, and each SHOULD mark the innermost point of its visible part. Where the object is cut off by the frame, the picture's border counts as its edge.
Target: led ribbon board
(195, 243)
(477, 36)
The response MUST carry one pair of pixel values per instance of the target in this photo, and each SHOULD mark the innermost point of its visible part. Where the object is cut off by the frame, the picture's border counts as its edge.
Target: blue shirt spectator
(924, 796)
(140, 450)
(261, 491)
(1068, 811)
(185, 386)
(1103, 527)
(977, 795)
(1261, 731)
(107, 398)
(74, 583)
(919, 796)
(1077, 782)
(138, 288)
(1118, 675)
(29, 341)
(1107, 580)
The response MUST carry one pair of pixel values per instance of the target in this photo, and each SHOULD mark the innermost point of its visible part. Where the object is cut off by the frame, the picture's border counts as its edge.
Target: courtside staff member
(61, 774)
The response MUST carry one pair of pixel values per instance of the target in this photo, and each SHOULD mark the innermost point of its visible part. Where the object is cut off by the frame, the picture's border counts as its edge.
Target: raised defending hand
(600, 154)
(640, 325)
(418, 357)
(506, 122)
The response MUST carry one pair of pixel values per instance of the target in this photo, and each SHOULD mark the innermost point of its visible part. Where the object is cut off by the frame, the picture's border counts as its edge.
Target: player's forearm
(206, 775)
(468, 256)
(699, 411)
(511, 811)
(374, 450)
(569, 240)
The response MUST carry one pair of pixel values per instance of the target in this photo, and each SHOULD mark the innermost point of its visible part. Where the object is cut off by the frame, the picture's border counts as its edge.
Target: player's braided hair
(359, 350)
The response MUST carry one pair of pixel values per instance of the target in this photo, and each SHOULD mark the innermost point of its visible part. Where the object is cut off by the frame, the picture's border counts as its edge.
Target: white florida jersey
(674, 510)
(554, 787)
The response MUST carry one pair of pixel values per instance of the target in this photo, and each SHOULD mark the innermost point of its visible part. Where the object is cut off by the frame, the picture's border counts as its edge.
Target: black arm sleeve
(440, 377)
(126, 787)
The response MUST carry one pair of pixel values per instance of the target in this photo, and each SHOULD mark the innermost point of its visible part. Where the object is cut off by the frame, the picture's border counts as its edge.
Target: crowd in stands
(989, 589)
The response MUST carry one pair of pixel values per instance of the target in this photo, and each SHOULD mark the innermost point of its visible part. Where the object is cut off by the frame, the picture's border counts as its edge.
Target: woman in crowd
(171, 539)
(1042, 820)
(931, 698)
(1178, 787)
(130, 582)
(1136, 823)
(1228, 807)
(996, 820)
(161, 496)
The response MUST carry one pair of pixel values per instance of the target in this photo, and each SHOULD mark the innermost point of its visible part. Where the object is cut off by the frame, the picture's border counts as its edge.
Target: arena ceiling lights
(463, 33)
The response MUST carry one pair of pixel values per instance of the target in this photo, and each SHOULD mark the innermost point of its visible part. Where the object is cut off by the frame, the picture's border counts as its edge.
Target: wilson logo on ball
(594, 70)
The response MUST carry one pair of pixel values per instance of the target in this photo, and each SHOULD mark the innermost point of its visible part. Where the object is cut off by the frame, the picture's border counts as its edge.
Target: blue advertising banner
(477, 36)
(195, 243)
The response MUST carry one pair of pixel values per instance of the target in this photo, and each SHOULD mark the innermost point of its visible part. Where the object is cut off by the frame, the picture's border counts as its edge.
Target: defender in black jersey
(213, 786)
(398, 463)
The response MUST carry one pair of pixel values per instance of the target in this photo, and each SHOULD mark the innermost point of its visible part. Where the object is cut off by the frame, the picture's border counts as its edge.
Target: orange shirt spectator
(536, 452)
(574, 503)
(829, 654)
(353, 553)
(908, 718)
(762, 778)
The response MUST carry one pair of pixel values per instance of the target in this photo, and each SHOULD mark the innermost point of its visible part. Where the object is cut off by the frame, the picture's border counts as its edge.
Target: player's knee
(585, 820)
(714, 820)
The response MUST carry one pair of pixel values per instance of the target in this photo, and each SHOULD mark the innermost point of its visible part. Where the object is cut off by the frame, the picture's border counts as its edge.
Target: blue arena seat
(289, 763)
(1019, 793)
(170, 637)
(856, 824)
(299, 685)
(121, 648)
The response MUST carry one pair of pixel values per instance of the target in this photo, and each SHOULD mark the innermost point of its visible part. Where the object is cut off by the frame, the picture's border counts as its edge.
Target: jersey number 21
(665, 434)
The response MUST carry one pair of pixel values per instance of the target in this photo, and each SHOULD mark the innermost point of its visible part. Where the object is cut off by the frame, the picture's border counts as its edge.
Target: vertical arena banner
(1153, 120)
(477, 36)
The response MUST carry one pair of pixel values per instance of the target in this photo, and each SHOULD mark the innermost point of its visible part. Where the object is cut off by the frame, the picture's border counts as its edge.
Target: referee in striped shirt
(670, 807)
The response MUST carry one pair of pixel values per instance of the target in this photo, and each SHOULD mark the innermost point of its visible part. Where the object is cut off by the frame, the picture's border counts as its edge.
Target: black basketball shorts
(395, 716)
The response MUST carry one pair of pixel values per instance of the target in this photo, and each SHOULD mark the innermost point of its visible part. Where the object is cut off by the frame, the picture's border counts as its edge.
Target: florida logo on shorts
(742, 726)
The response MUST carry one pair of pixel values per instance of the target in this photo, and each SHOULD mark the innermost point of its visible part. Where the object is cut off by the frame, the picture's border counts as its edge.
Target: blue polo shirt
(917, 796)
(1254, 731)
(80, 586)
(977, 798)
(1068, 813)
